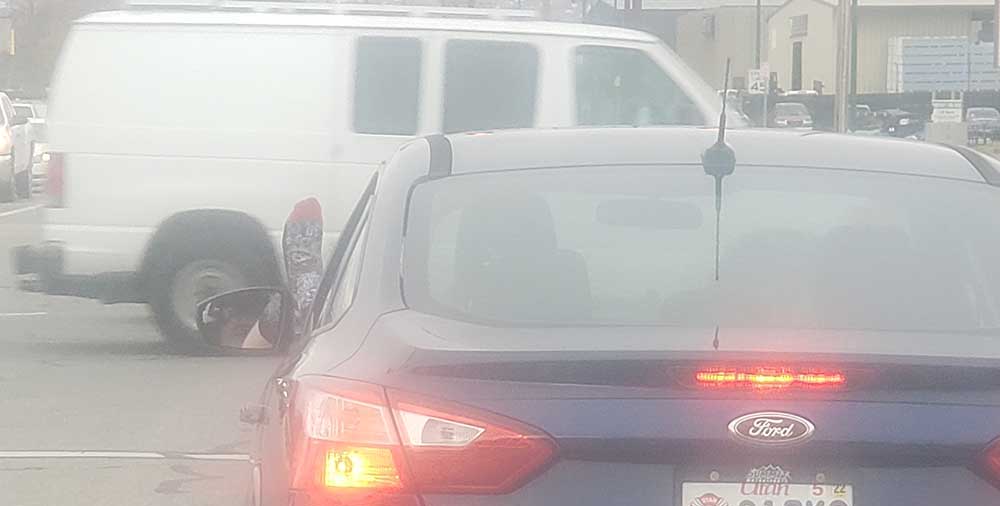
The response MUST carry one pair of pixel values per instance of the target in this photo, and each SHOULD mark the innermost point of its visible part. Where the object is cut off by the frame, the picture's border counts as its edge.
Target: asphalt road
(95, 410)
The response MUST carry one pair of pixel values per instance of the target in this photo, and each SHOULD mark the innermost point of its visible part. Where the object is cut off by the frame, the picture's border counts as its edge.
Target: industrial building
(898, 42)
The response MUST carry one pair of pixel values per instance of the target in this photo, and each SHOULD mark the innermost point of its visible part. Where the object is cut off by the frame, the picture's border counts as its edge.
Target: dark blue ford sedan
(585, 317)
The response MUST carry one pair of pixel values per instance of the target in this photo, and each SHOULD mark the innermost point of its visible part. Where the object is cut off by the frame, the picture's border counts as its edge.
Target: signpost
(759, 83)
(947, 111)
(841, 109)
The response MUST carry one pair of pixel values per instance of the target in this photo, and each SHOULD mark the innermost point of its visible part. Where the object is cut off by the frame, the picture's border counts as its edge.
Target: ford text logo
(772, 429)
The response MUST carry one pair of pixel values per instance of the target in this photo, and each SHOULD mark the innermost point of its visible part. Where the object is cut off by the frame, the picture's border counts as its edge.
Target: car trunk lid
(914, 406)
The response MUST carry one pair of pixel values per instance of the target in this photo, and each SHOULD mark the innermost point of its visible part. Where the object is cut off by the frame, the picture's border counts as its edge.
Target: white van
(180, 139)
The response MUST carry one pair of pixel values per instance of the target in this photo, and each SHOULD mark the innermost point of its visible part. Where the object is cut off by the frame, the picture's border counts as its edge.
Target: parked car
(15, 153)
(900, 123)
(791, 115)
(536, 317)
(984, 122)
(191, 150)
(863, 118)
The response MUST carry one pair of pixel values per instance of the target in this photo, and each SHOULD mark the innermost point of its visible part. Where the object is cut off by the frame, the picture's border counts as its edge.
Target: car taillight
(354, 443)
(988, 463)
(460, 450)
(768, 377)
(55, 182)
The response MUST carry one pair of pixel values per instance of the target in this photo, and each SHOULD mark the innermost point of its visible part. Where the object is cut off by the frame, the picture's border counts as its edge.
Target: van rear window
(489, 85)
(387, 85)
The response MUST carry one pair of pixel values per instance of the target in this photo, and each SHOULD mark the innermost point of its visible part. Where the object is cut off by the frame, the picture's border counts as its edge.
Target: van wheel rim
(198, 281)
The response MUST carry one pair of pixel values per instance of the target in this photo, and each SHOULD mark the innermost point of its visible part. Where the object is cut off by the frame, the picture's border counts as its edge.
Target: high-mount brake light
(358, 444)
(768, 377)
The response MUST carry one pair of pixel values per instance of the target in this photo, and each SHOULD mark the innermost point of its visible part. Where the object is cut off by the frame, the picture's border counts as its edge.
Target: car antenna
(719, 161)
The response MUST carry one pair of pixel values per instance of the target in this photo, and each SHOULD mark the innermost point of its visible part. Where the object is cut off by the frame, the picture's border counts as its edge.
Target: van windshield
(626, 245)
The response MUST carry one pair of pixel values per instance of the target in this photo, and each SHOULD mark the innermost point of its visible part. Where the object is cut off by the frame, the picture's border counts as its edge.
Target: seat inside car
(509, 266)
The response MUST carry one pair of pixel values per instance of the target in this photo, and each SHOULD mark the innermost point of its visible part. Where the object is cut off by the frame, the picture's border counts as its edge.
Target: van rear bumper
(42, 267)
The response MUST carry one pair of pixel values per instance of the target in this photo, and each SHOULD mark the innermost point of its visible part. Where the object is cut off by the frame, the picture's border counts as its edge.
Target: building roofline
(903, 3)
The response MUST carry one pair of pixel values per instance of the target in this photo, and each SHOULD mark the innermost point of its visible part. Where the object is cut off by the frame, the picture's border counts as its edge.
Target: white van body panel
(159, 113)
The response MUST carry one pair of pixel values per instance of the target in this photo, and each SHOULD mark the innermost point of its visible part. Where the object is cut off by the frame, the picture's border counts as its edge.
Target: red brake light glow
(55, 181)
(472, 453)
(355, 443)
(768, 377)
(988, 463)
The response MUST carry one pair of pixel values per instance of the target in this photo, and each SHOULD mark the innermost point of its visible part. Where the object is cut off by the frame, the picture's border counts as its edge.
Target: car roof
(320, 20)
(570, 147)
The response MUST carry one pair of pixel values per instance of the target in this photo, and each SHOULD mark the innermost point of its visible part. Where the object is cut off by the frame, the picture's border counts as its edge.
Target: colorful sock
(302, 247)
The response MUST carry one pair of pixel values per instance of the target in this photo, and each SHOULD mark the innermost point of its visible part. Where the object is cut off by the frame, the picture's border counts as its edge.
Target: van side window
(489, 85)
(387, 85)
(624, 86)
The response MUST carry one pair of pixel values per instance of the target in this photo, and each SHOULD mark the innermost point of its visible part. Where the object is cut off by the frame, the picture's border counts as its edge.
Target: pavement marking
(36, 313)
(21, 210)
(223, 456)
(240, 457)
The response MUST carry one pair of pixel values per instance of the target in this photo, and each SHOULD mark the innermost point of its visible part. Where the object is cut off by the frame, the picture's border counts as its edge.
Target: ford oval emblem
(772, 428)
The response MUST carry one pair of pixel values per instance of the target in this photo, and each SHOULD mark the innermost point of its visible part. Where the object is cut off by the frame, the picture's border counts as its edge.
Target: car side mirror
(19, 119)
(246, 321)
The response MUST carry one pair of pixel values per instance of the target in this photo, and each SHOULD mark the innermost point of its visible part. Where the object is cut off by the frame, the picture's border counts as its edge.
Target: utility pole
(756, 54)
(757, 64)
(854, 50)
(996, 33)
(844, 51)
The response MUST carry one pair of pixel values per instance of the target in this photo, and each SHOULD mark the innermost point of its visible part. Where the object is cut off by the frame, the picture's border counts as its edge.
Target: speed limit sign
(757, 81)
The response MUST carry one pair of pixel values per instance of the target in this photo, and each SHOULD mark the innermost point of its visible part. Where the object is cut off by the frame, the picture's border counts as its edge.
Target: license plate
(765, 494)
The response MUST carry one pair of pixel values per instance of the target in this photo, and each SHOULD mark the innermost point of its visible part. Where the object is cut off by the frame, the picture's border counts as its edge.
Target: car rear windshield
(800, 248)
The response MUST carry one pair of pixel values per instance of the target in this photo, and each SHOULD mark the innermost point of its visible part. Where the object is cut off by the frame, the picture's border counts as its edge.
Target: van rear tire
(194, 270)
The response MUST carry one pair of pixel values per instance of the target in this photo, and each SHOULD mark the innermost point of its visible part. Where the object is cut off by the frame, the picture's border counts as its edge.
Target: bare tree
(40, 26)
